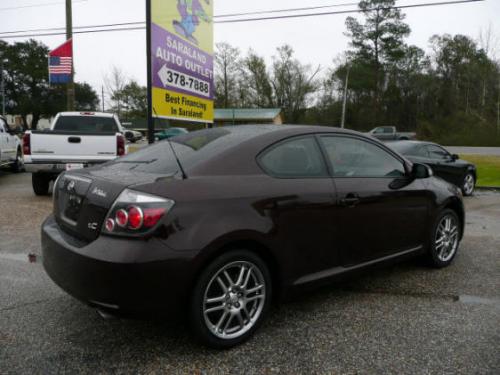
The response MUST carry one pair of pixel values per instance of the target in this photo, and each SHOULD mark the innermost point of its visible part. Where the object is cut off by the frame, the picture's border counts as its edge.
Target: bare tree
(115, 82)
(489, 42)
(226, 65)
(293, 84)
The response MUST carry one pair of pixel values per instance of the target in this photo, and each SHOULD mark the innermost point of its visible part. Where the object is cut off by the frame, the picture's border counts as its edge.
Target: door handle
(74, 139)
(350, 200)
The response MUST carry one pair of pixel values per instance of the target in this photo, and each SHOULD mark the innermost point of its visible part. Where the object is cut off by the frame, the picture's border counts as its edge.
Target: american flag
(60, 65)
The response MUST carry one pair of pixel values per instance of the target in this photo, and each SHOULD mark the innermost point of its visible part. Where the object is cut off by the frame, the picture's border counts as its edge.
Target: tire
(40, 184)
(238, 308)
(445, 239)
(18, 165)
(468, 184)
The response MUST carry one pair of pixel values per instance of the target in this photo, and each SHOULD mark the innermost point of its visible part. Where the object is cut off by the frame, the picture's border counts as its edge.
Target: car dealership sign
(182, 62)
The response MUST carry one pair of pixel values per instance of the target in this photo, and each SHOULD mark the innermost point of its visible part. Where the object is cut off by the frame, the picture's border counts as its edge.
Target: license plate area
(73, 166)
(72, 204)
(70, 195)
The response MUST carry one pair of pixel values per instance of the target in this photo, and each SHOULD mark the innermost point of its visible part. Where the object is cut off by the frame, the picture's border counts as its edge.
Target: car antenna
(184, 175)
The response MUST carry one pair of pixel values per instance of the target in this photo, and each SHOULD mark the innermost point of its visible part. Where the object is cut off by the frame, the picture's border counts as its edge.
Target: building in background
(223, 117)
(242, 116)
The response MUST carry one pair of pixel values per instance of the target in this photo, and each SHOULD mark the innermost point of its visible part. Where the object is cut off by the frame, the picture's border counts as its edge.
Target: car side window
(295, 158)
(352, 157)
(422, 152)
(436, 152)
(388, 130)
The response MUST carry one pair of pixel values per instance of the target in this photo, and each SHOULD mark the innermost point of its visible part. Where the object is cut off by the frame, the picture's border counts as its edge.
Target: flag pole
(70, 89)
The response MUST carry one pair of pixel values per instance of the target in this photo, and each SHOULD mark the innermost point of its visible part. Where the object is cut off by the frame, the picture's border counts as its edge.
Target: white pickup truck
(10, 148)
(75, 140)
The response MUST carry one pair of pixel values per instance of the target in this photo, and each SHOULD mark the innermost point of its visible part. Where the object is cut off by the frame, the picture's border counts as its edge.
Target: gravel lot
(402, 319)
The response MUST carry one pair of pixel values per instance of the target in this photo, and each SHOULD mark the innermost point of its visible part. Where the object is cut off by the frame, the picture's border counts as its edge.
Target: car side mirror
(421, 171)
(455, 157)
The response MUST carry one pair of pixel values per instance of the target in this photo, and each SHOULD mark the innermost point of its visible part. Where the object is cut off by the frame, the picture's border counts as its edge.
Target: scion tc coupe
(215, 223)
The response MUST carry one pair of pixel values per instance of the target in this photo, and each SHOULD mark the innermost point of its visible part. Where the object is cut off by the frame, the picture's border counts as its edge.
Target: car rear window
(190, 149)
(403, 148)
(86, 124)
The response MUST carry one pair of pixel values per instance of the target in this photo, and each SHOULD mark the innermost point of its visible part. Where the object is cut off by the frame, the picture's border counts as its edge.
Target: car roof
(87, 113)
(414, 143)
(255, 130)
(227, 147)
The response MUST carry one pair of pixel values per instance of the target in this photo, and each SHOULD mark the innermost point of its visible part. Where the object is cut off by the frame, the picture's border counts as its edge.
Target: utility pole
(344, 104)
(70, 90)
(2, 87)
(102, 97)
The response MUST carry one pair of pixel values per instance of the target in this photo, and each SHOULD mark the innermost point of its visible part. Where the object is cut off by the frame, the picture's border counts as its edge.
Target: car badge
(99, 192)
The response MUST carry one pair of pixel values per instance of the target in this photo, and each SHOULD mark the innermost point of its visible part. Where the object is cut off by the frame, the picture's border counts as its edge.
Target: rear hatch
(81, 204)
(82, 198)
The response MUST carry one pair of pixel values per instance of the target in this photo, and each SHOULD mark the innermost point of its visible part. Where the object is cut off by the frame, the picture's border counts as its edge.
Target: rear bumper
(56, 168)
(121, 275)
(49, 168)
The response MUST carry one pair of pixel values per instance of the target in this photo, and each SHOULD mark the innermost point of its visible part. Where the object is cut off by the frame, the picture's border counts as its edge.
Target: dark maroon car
(245, 214)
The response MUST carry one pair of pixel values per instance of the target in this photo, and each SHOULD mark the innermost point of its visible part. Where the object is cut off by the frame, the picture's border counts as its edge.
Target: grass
(488, 169)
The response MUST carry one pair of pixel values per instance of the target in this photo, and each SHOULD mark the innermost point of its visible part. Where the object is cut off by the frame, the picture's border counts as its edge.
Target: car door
(382, 210)
(4, 145)
(301, 202)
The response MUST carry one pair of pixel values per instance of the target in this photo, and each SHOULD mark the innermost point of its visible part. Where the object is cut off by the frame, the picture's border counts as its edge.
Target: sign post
(180, 60)
(151, 128)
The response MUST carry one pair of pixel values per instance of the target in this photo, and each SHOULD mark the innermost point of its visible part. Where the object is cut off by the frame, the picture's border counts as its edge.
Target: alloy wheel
(234, 299)
(469, 184)
(446, 241)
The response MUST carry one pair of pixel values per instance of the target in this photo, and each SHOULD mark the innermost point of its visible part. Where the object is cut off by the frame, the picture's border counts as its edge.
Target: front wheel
(445, 239)
(468, 185)
(18, 164)
(230, 299)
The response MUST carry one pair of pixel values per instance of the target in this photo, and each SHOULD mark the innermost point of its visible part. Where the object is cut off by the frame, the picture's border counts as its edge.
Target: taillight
(136, 213)
(136, 217)
(27, 144)
(120, 145)
(121, 218)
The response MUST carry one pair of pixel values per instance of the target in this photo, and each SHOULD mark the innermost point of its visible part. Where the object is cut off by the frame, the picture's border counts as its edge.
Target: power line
(284, 10)
(74, 28)
(38, 5)
(240, 20)
(215, 17)
(348, 11)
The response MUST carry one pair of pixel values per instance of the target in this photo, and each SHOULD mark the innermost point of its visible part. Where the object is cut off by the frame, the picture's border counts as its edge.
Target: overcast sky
(316, 40)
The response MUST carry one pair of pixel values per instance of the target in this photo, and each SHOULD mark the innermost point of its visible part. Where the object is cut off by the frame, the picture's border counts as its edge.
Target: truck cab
(384, 132)
(390, 133)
